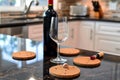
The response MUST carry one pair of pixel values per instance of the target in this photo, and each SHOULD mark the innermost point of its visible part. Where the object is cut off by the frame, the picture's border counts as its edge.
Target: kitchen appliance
(79, 10)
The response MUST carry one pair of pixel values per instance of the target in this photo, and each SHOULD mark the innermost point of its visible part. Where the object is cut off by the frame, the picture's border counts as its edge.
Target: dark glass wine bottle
(50, 47)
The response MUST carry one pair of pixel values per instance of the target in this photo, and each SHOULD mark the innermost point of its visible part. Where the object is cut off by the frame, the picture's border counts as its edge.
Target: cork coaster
(86, 61)
(69, 51)
(64, 72)
(23, 55)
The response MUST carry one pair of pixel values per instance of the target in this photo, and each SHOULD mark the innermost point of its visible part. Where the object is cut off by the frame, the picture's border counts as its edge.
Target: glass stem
(58, 50)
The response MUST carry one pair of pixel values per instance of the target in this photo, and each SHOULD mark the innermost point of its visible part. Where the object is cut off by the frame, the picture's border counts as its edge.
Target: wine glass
(59, 33)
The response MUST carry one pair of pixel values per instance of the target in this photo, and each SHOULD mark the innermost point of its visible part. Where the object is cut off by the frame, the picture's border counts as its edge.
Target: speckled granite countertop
(15, 22)
(108, 70)
(38, 68)
(8, 22)
(11, 69)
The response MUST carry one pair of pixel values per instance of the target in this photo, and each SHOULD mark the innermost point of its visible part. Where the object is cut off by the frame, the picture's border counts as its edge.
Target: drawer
(36, 26)
(36, 29)
(107, 44)
(35, 35)
(108, 28)
(86, 23)
(36, 39)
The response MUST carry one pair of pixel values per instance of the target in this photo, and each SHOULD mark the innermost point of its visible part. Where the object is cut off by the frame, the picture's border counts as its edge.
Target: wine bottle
(50, 47)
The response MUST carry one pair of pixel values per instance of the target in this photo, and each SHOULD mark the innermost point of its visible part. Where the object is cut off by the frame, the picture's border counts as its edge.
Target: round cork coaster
(64, 72)
(86, 61)
(69, 51)
(23, 55)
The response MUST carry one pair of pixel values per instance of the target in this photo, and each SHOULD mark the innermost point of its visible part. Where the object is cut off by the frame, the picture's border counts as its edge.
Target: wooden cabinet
(35, 32)
(86, 35)
(100, 36)
(107, 37)
(73, 34)
(89, 35)
(14, 31)
(107, 44)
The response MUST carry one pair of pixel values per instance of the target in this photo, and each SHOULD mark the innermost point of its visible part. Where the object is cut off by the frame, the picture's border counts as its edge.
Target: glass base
(58, 60)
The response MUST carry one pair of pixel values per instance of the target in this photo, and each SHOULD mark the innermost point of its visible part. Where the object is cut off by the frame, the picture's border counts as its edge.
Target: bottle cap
(50, 2)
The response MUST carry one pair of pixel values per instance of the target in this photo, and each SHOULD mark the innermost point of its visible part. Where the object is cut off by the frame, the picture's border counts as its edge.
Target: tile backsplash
(65, 6)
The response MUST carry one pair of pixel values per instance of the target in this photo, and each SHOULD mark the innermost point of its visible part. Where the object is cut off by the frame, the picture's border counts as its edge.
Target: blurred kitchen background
(20, 9)
(109, 7)
(97, 23)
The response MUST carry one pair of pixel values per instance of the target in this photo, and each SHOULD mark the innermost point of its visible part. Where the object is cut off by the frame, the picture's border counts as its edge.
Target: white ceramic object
(113, 5)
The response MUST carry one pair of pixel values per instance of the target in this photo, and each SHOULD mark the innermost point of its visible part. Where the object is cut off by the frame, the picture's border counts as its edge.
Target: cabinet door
(107, 37)
(107, 44)
(72, 40)
(86, 35)
(35, 32)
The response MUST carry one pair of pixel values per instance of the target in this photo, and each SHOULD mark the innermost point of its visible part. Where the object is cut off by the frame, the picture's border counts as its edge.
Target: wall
(64, 7)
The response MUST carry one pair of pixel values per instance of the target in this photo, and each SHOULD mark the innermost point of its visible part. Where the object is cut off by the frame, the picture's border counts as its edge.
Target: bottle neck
(50, 4)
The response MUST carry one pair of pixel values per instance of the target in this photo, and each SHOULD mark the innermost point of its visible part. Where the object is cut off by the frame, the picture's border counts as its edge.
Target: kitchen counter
(14, 22)
(104, 19)
(11, 22)
(108, 70)
(37, 69)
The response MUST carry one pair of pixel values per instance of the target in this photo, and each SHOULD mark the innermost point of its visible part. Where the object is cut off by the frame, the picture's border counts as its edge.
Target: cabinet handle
(91, 32)
(117, 48)
(118, 31)
(72, 33)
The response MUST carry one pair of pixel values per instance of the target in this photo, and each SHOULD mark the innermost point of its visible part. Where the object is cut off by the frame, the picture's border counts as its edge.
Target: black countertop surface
(34, 69)
(11, 69)
(14, 22)
(105, 19)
